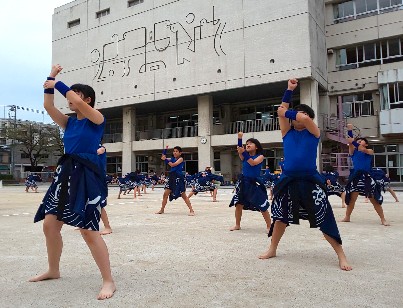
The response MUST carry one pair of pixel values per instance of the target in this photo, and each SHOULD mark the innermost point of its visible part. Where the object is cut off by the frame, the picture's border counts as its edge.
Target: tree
(35, 139)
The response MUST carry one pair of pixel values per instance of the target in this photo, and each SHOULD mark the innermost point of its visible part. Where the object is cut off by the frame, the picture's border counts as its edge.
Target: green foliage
(35, 139)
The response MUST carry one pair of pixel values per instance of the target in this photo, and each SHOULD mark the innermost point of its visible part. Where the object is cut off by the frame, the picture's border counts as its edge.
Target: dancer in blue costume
(204, 181)
(360, 181)
(175, 187)
(383, 179)
(104, 216)
(78, 191)
(333, 186)
(30, 182)
(300, 192)
(250, 192)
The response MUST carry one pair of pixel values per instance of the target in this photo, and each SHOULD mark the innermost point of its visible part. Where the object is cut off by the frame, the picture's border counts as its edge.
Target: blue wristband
(350, 133)
(287, 96)
(240, 142)
(62, 88)
(164, 152)
(356, 144)
(291, 114)
(245, 155)
(50, 90)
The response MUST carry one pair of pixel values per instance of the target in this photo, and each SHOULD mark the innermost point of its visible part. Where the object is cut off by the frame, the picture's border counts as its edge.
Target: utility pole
(12, 115)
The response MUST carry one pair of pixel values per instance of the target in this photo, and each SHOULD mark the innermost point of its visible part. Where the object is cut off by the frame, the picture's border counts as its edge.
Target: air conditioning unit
(330, 51)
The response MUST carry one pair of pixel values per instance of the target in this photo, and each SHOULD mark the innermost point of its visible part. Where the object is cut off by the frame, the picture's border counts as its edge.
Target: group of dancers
(78, 194)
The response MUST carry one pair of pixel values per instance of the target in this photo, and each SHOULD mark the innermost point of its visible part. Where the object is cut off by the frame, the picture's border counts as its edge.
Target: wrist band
(350, 133)
(291, 114)
(355, 143)
(50, 90)
(245, 155)
(240, 142)
(164, 152)
(62, 88)
(287, 96)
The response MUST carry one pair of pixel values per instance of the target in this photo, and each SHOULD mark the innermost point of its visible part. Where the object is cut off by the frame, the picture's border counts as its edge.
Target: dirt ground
(174, 260)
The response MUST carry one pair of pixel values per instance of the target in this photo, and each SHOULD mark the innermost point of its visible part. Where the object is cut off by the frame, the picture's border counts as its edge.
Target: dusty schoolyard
(174, 260)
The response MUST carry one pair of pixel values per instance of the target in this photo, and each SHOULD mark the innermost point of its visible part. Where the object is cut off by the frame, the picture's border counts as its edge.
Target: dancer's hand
(240, 150)
(292, 84)
(240, 134)
(163, 157)
(349, 126)
(56, 69)
(49, 84)
(281, 111)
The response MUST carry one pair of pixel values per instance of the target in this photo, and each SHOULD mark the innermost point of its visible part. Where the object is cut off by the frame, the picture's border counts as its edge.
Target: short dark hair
(305, 108)
(259, 148)
(362, 138)
(86, 90)
(178, 148)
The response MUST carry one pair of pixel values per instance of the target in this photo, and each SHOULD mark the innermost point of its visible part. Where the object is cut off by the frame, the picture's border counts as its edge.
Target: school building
(193, 73)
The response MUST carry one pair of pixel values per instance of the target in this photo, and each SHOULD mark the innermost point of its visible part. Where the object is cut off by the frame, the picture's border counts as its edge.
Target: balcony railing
(112, 138)
(246, 126)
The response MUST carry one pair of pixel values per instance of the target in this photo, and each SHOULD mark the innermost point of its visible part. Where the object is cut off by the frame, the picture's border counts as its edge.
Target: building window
(358, 105)
(142, 163)
(73, 23)
(355, 9)
(381, 52)
(114, 165)
(131, 3)
(102, 13)
(392, 96)
(217, 162)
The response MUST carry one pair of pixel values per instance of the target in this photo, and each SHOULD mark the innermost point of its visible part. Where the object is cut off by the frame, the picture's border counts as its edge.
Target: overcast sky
(25, 54)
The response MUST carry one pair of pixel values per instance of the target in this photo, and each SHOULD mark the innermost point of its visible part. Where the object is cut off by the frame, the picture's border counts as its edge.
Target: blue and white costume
(334, 188)
(176, 182)
(250, 190)
(300, 192)
(361, 180)
(79, 190)
(204, 181)
(31, 181)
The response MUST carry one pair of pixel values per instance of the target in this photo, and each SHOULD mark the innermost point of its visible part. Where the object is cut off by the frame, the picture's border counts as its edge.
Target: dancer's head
(305, 109)
(253, 146)
(363, 141)
(177, 152)
(86, 93)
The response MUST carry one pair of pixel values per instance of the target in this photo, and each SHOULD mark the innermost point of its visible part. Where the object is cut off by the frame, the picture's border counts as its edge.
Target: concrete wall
(165, 49)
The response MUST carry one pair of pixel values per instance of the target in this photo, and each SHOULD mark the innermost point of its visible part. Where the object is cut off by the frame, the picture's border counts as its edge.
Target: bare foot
(344, 265)
(397, 200)
(234, 228)
(106, 231)
(160, 212)
(345, 219)
(108, 288)
(191, 213)
(215, 200)
(343, 206)
(268, 254)
(385, 223)
(45, 276)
